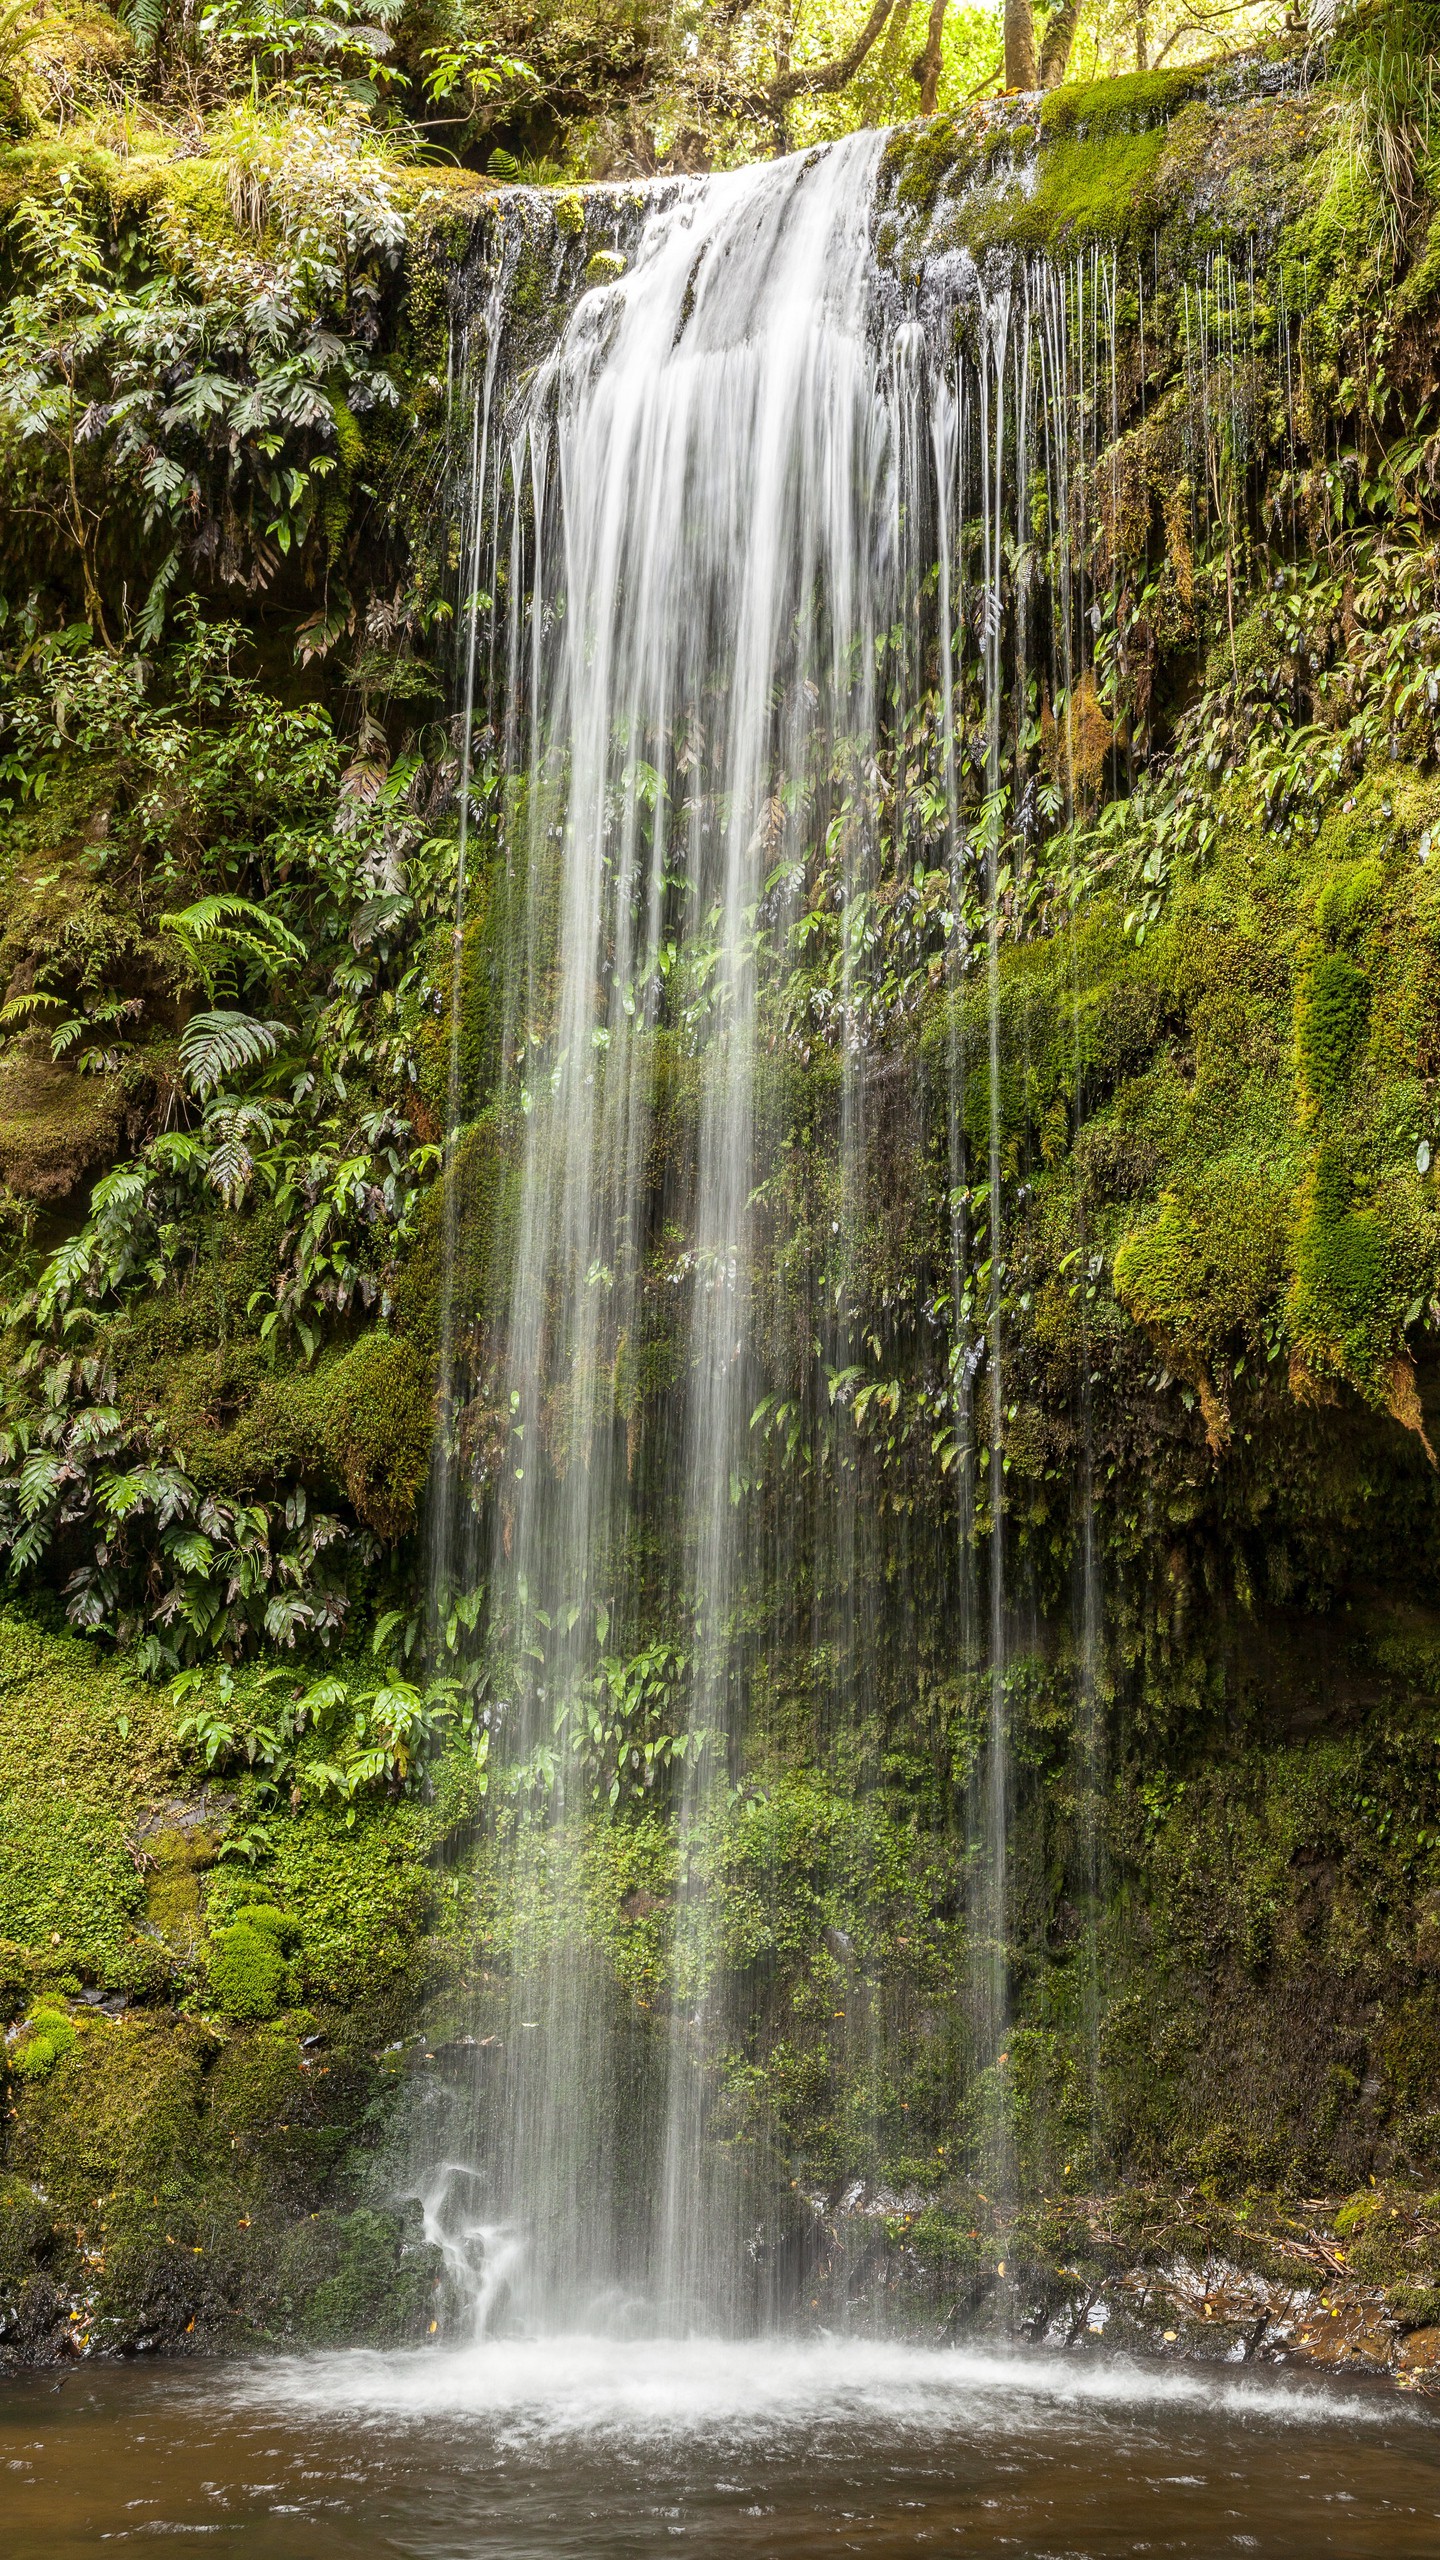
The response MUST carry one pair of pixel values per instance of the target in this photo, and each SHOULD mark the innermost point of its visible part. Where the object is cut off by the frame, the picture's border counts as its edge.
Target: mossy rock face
(373, 1413)
(1101, 110)
(73, 1792)
(24, 2231)
(174, 1906)
(1204, 1273)
(1160, 163)
(56, 1127)
(120, 2108)
(350, 2280)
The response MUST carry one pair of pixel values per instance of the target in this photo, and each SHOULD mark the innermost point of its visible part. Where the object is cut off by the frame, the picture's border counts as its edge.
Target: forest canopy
(553, 89)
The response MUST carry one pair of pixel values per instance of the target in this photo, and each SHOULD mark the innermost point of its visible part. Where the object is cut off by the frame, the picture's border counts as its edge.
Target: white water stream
(715, 530)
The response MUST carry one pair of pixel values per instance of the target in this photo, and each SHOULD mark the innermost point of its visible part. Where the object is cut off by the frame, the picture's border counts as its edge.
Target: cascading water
(754, 649)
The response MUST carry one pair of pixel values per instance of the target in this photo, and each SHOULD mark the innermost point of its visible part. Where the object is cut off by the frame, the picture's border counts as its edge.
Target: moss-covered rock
(245, 1971)
(373, 1413)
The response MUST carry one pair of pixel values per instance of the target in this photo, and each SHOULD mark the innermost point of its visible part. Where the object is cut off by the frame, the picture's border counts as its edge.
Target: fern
(152, 616)
(16, 1008)
(219, 931)
(216, 1045)
(145, 20)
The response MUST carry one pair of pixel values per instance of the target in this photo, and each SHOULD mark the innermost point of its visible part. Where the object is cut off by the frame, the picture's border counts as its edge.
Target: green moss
(366, 1897)
(271, 1922)
(461, 1236)
(120, 2108)
(24, 2232)
(360, 1423)
(245, 1972)
(173, 1907)
(48, 2032)
(1414, 2306)
(372, 1412)
(1351, 899)
(532, 286)
(1201, 1274)
(72, 1785)
(1331, 1016)
(1099, 188)
(922, 159)
(1106, 110)
(1343, 1302)
(56, 1127)
(367, 2297)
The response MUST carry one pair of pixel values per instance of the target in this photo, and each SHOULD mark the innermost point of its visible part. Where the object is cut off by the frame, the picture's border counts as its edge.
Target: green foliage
(292, 46)
(1389, 56)
(381, 1734)
(174, 405)
(224, 934)
(332, 875)
(627, 1726)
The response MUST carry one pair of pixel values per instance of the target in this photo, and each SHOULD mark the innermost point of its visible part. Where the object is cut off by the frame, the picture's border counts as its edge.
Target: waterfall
(752, 644)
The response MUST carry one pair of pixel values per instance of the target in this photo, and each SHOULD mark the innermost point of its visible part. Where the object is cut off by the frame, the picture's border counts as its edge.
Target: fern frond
(216, 1045)
(219, 930)
(145, 20)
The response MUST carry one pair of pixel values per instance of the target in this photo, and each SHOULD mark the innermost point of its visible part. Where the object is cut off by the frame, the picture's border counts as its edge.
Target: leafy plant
(626, 1723)
(339, 1739)
(224, 936)
(289, 46)
(200, 406)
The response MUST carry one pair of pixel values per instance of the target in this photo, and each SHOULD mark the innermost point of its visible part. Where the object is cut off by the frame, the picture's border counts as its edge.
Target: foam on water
(566, 2390)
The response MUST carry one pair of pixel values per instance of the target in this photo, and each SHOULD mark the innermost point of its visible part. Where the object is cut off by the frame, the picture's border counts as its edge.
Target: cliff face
(254, 1924)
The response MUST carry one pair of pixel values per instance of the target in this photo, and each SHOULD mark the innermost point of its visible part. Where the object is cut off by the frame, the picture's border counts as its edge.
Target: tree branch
(816, 77)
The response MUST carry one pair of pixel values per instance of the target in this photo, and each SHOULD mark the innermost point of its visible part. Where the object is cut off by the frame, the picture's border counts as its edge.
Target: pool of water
(539, 2449)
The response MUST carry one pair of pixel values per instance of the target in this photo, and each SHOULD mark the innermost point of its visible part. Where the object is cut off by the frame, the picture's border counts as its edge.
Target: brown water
(537, 2450)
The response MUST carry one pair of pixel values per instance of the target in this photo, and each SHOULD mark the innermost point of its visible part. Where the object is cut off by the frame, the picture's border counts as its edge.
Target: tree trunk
(1019, 44)
(927, 69)
(1058, 38)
